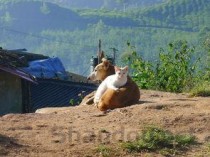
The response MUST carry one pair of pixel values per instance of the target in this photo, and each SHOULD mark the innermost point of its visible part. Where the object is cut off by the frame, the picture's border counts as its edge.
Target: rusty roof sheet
(19, 73)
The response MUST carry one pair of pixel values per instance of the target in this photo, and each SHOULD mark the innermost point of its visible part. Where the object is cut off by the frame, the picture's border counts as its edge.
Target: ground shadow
(6, 143)
(182, 100)
(144, 102)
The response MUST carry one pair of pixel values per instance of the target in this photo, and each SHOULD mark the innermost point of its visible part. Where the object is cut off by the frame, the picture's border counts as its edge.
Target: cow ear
(106, 63)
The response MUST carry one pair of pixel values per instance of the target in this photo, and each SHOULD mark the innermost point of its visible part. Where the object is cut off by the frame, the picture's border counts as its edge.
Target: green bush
(141, 70)
(174, 71)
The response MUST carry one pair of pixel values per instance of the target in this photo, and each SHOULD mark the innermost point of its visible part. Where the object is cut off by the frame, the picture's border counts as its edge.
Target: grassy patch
(204, 151)
(202, 89)
(104, 150)
(208, 148)
(158, 140)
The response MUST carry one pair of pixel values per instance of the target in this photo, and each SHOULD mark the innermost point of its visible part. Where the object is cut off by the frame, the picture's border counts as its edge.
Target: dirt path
(79, 131)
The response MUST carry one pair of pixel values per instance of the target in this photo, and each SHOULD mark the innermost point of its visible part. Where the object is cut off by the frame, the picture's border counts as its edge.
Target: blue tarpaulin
(47, 68)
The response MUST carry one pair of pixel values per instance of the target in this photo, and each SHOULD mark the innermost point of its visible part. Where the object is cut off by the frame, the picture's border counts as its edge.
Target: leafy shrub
(174, 71)
(141, 70)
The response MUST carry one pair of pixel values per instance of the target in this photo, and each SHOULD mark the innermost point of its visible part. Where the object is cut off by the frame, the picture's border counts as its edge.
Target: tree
(207, 46)
(44, 8)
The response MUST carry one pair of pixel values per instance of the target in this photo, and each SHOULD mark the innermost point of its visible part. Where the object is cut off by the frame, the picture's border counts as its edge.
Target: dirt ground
(81, 131)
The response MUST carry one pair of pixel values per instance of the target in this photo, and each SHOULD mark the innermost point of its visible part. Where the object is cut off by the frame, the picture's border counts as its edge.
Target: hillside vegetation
(97, 4)
(73, 33)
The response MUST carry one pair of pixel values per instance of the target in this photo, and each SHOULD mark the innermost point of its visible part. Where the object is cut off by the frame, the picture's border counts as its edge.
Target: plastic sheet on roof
(47, 68)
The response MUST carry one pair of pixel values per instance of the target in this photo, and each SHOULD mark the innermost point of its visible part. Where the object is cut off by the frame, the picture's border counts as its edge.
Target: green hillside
(189, 15)
(37, 16)
(73, 34)
(185, 15)
(96, 4)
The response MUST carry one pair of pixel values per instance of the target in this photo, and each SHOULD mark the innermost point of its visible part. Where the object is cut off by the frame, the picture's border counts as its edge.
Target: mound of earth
(80, 131)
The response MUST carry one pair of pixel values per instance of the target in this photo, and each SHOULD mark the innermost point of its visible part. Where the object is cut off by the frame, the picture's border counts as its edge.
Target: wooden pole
(99, 50)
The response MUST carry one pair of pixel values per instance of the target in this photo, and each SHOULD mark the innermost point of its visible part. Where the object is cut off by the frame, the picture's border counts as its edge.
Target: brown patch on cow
(125, 96)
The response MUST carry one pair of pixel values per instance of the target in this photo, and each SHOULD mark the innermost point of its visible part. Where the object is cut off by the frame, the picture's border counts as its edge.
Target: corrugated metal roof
(58, 93)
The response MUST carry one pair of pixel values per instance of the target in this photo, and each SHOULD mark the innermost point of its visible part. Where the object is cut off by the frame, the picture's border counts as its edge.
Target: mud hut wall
(10, 93)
